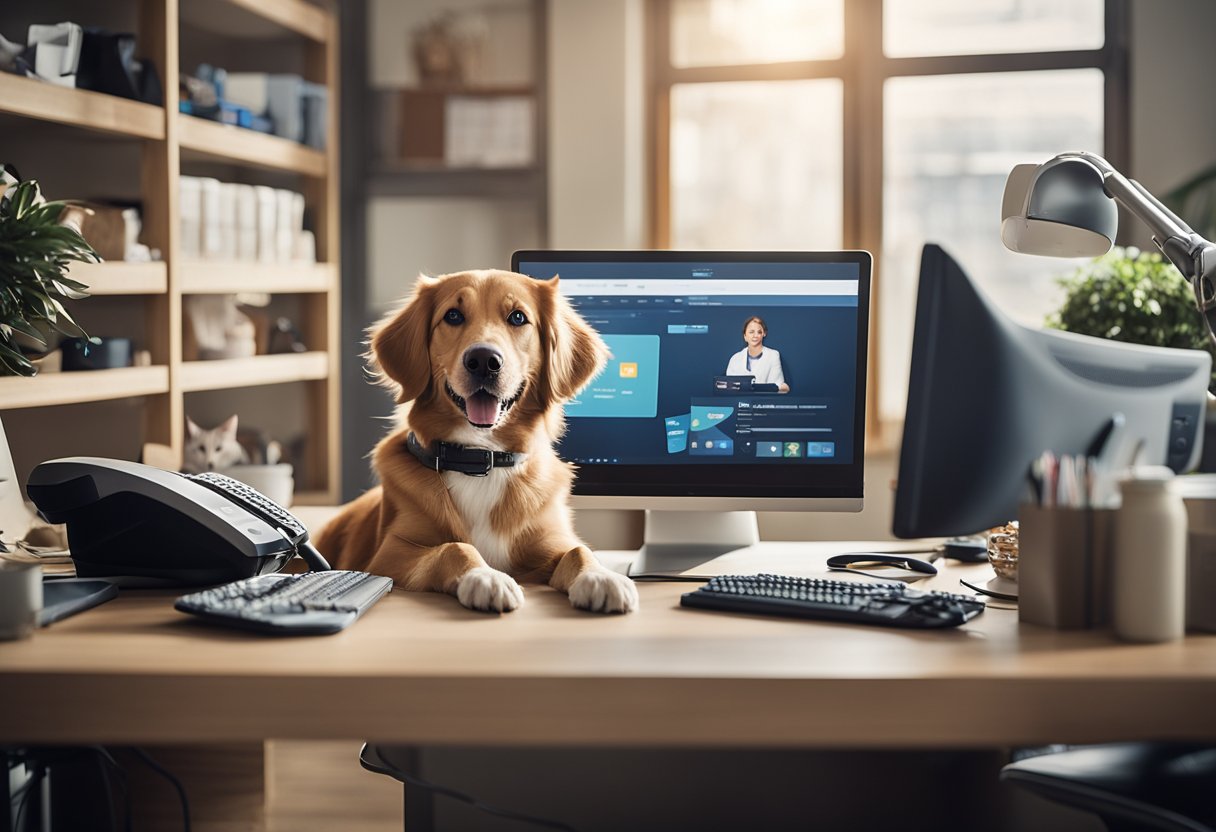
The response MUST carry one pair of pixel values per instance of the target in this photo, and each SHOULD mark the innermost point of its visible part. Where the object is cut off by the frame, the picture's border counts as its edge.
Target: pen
(1067, 497)
(1035, 477)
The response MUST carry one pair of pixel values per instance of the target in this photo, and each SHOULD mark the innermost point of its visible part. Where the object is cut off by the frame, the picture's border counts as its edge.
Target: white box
(246, 224)
(249, 90)
(190, 209)
(297, 213)
(56, 52)
(227, 221)
(284, 230)
(267, 223)
(209, 219)
(305, 247)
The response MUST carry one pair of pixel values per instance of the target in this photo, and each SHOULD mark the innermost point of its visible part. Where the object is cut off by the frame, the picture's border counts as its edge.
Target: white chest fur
(476, 499)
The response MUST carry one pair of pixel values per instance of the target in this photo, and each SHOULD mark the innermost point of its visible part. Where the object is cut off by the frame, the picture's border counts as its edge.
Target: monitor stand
(677, 542)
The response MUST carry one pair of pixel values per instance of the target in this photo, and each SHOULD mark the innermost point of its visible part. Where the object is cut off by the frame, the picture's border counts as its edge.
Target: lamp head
(1059, 208)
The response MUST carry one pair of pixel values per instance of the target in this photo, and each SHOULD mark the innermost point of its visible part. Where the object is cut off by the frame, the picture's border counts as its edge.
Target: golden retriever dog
(481, 363)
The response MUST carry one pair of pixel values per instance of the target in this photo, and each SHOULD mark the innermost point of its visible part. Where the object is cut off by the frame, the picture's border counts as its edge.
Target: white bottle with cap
(1149, 563)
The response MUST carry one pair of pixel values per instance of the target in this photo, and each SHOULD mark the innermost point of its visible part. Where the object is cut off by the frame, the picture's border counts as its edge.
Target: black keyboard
(314, 603)
(887, 604)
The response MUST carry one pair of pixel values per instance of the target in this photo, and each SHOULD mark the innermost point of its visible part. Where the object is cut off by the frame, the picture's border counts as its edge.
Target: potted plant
(35, 251)
(1133, 296)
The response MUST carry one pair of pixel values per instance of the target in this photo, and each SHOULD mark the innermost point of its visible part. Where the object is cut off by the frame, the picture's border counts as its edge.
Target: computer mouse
(965, 549)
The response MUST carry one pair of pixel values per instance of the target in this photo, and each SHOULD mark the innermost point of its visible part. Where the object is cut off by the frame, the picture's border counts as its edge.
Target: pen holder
(1064, 566)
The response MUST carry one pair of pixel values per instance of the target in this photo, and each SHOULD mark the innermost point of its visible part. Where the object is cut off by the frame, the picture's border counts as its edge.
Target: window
(756, 164)
(878, 124)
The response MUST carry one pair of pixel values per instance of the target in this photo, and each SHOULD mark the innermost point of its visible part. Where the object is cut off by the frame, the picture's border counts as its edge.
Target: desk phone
(141, 526)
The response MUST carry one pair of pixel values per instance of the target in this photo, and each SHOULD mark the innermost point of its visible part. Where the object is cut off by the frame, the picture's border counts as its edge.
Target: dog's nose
(482, 361)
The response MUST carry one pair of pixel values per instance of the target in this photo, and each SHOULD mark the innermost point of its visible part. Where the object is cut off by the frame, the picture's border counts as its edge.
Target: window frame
(863, 70)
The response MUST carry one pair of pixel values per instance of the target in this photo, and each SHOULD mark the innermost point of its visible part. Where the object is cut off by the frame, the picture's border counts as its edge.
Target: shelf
(238, 144)
(80, 108)
(476, 91)
(221, 278)
(119, 278)
(436, 180)
(83, 386)
(249, 372)
(247, 19)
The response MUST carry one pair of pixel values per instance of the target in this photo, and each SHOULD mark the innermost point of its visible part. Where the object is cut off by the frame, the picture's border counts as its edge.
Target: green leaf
(74, 285)
(27, 330)
(23, 197)
(15, 359)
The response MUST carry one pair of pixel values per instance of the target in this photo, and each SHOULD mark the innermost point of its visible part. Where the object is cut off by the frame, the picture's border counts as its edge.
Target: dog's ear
(574, 352)
(400, 353)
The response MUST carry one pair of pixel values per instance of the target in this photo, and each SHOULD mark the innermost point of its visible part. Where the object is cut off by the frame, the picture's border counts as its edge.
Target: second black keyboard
(314, 603)
(887, 604)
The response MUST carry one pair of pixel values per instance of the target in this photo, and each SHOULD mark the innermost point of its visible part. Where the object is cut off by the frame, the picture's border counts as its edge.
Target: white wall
(596, 124)
(437, 236)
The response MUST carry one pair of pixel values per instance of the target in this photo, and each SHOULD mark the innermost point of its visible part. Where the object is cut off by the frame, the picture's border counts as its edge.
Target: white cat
(214, 449)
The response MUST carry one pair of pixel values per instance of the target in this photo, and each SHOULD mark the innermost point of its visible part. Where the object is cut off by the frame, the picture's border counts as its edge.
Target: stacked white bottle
(1149, 580)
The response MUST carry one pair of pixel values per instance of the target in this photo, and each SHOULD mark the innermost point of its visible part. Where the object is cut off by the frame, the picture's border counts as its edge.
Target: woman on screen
(762, 363)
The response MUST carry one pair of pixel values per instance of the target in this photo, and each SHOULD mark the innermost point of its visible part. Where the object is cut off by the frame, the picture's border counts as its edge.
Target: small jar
(1149, 564)
(1003, 551)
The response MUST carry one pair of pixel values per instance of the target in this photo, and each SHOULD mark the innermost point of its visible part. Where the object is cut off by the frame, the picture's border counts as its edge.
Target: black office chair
(1130, 786)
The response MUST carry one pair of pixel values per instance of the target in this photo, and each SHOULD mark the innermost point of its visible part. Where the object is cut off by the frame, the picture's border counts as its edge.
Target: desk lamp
(1066, 207)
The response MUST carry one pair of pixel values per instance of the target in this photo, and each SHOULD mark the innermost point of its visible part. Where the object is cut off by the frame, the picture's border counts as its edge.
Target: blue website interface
(682, 384)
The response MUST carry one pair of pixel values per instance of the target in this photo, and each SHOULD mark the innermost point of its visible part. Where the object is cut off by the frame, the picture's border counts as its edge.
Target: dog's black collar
(448, 456)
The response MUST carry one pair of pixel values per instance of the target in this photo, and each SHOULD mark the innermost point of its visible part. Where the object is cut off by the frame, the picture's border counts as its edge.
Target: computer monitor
(699, 426)
(987, 395)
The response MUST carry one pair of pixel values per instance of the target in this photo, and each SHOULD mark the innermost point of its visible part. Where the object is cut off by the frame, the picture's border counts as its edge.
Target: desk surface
(420, 668)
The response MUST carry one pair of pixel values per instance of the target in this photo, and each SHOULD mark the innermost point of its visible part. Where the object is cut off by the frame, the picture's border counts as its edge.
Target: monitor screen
(735, 374)
(968, 442)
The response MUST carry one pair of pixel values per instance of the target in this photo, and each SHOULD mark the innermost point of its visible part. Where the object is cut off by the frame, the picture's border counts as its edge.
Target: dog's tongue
(481, 408)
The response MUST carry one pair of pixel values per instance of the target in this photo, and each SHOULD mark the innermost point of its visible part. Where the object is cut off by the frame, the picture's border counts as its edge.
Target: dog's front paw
(483, 588)
(602, 591)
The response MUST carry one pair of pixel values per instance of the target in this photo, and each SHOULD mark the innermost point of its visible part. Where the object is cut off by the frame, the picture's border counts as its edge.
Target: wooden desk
(420, 669)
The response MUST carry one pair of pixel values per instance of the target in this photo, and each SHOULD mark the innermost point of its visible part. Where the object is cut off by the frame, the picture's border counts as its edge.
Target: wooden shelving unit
(255, 371)
(165, 140)
(234, 144)
(217, 278)
(259, 18)
(122, 278)
(75, 388)
(91, 111)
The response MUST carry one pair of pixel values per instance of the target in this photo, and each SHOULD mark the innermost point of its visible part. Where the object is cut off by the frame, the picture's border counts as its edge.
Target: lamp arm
(1191, 254)
(1160, 220)
(1161, 206)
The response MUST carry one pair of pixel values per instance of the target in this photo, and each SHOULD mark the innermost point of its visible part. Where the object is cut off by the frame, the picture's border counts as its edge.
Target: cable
(122, 782)
(481, 805)
(165, 773)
